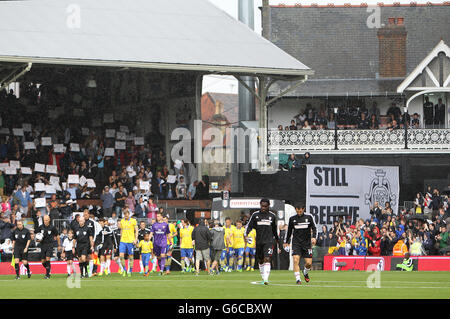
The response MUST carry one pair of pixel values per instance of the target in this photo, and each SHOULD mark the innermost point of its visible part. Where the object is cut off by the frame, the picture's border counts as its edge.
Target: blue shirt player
(159, 231)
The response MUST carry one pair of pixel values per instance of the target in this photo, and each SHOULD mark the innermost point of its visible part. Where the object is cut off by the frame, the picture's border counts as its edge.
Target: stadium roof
(189, 35)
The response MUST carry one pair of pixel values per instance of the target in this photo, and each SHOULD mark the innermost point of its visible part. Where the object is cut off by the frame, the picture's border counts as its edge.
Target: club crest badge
(380, 190)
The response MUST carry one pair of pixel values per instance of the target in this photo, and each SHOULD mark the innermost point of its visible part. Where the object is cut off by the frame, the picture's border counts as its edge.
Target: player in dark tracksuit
(21, 240)
(265, 223)
(301, 227)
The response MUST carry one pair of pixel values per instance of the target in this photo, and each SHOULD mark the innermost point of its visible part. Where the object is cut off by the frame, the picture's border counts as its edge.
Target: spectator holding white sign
(24, 199)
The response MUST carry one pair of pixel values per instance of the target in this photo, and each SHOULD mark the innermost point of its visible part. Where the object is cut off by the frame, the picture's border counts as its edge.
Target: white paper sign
(39, 167)
(123, 128)
(110, 133)
(120, 145)
(58, 148)
(83, 180)
(84, 131)
(57, 187)
(54, 180)
(10, 171)
(108, 118)
(40, 202)
(64, 185)
(46, 141)
(131, 173)
(29, 145)
(74, 147)
(171, 179)
(91, 183)
(178, 164)
(138, 141)
(73, 179)
(50, 189)
(121, 136)
(39, 187)
(109, 152)
(144, 185)
(26, 127)
(26, 170)
(4, 131)
(52, 169)
(15, 164)
(18, 131)
(3, 166)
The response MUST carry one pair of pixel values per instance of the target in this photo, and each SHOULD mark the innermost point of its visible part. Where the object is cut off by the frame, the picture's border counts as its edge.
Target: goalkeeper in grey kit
(302, 228)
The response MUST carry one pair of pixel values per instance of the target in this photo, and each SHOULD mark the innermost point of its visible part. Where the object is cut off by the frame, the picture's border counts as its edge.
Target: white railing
(358, 140)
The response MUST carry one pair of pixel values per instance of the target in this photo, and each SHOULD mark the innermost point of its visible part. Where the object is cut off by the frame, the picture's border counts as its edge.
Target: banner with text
(349, 189)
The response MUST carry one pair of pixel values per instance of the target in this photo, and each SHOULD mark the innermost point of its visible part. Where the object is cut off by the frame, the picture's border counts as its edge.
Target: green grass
(323, 284)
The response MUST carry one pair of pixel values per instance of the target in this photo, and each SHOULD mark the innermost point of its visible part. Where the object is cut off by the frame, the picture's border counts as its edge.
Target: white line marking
(320, 286)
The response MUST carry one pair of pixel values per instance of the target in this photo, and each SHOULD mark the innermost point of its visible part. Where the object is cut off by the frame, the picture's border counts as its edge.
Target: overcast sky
(224, 84)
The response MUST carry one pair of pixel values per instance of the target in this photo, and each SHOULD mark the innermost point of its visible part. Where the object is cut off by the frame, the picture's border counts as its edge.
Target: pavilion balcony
(359, 141)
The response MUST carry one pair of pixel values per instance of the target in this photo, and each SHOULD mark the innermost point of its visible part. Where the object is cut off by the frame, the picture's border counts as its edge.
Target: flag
(13, 262)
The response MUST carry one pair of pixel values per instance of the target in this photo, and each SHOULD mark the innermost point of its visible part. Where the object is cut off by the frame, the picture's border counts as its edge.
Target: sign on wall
(350, 189)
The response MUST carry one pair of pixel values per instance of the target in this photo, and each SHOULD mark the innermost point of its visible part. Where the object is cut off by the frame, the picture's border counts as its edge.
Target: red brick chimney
(392, 49)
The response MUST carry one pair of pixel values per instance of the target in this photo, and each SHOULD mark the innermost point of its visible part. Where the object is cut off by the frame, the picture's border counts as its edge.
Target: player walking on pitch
(301, 227)
(265, 223)
(128, 240)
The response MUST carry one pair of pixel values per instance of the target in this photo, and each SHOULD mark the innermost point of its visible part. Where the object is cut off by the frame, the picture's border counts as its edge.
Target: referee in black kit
(21, 240)
(49, 234)
(301, 227)
(265, 223)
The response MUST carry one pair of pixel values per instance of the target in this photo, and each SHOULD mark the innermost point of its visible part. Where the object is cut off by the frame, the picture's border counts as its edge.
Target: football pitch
(323, 284)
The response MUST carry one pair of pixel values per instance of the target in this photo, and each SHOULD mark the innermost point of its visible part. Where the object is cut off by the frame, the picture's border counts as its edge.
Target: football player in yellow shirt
(250, 251)
(186, 246)
(146, 247)
(170, 243)
(228, 253)
(239, 245)
(128, 239)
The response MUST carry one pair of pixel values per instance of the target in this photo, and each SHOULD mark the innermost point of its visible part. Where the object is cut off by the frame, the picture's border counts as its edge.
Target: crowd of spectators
(353, 117)
(417, 231)
(135, 177)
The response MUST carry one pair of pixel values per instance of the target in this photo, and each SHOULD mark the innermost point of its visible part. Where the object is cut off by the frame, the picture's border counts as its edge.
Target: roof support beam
(447, 81)
(290, 89)
(432, 77)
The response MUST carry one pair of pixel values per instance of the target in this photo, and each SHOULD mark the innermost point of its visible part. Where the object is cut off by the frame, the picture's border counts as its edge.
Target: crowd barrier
(384, 263)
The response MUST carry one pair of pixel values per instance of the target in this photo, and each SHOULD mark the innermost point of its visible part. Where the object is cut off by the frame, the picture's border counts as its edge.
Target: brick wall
(392, 49)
